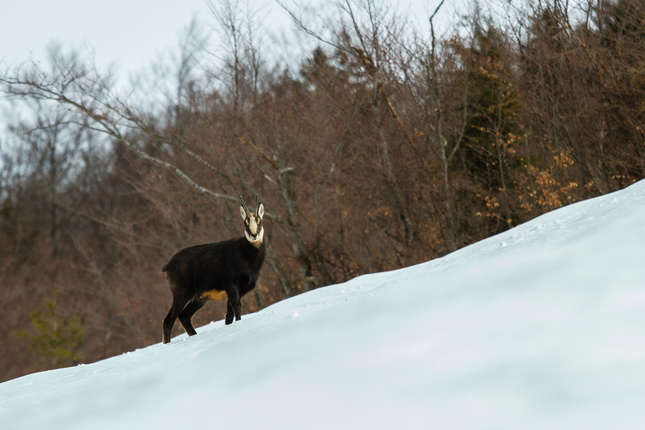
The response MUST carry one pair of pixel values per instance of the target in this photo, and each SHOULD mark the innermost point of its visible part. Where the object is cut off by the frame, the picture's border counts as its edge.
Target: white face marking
(253, 230)
(253, 225)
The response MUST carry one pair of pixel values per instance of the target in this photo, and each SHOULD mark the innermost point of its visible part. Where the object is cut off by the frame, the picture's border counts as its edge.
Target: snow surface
(541, 327)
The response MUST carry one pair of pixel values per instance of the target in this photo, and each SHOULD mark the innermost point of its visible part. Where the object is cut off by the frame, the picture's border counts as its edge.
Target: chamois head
(253, 230)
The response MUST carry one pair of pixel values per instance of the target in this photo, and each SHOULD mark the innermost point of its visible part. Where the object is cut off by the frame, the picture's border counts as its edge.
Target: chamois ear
(242, 212)
(261, 210)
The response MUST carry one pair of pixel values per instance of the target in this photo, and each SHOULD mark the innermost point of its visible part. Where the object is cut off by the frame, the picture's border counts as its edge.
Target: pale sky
(128, 33)
(132, 35)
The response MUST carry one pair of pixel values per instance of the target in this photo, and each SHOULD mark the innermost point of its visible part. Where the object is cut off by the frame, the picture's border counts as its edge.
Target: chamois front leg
(229, 313)
(233, 306)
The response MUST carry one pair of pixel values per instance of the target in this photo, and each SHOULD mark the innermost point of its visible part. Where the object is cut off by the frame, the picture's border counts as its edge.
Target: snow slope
(541, 327)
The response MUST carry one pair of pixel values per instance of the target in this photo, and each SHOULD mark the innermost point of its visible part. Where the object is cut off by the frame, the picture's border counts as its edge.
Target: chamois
(216, 271)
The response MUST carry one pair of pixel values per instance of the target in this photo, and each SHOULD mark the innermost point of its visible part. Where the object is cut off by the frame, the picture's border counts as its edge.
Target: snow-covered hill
(541, 327)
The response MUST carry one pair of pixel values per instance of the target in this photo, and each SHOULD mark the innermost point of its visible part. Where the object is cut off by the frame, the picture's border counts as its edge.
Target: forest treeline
(388, 145)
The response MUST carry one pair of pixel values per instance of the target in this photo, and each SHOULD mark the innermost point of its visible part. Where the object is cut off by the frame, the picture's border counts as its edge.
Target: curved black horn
(257, 202)
(246, 208)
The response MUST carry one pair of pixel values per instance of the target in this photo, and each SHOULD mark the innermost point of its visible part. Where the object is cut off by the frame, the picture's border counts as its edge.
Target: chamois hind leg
(188, 312)
(178, 304)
